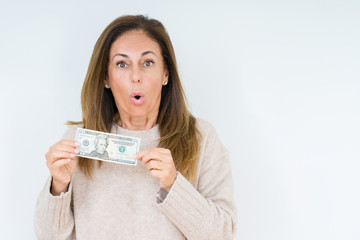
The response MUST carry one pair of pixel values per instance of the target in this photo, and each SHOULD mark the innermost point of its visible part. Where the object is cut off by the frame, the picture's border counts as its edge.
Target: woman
(183, 188)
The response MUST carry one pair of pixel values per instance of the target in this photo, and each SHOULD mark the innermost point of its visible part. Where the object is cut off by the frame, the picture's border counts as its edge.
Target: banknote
(107, 147)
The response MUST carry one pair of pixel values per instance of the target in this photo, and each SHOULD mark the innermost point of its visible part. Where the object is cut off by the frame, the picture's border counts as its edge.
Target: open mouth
(137, 98)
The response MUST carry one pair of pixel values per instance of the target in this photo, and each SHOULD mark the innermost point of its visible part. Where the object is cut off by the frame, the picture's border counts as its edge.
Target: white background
(280, 81)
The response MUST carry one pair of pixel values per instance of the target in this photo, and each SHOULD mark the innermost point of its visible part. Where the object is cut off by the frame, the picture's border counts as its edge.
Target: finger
(60, 146)
(154, 155)
(155, 165)
(66, 148)
(164, 150)
(71, 143)
(147, 158)
(149, 150)
(67, 168)
(156, 173)
(60, 163)
(140, 154)
(56, 155)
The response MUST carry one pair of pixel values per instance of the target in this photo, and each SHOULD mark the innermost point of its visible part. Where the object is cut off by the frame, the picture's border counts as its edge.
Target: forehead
(134, 42)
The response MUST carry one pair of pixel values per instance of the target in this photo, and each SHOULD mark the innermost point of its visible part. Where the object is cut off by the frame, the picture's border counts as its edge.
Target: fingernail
(68, 160)
(77, 143)
(72, 155)
(76, 151)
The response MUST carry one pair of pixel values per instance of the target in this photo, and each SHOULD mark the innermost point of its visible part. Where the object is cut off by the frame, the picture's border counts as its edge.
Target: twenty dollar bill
(107, 147)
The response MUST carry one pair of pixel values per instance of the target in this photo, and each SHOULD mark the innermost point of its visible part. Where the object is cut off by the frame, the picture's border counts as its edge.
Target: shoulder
(203, 125)
(71, 131)
(205, 128)
(208, 134)
(213, 154)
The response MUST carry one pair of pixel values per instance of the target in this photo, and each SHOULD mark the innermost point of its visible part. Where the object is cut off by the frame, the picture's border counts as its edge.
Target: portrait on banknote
(101, 142)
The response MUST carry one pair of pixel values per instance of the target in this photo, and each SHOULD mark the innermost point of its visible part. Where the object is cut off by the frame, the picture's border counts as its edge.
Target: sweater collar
(147, 136)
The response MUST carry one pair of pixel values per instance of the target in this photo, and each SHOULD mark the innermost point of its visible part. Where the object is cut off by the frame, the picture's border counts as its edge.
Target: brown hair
(178, 132)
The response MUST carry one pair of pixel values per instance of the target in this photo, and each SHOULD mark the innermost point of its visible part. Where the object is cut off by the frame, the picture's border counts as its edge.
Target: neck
(137, 123)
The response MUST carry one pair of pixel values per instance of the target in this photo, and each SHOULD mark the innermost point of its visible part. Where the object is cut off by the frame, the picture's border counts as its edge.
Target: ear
(106, 81)
(166, 75)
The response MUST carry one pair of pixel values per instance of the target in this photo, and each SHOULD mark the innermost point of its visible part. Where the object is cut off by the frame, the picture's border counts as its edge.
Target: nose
(136, 76)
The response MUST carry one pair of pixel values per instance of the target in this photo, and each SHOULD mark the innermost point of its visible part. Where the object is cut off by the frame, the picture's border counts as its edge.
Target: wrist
(57, 187)
(170, 184)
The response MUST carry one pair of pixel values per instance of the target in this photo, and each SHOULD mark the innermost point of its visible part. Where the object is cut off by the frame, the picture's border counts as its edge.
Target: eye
(148, 63)
(121, 64)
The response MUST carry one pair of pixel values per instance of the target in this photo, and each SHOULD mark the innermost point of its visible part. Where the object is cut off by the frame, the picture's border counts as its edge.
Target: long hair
(177, 126)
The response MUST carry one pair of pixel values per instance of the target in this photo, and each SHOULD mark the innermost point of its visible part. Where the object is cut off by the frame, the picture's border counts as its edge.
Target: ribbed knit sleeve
(54, 218)
(53, 215)
(207, 211)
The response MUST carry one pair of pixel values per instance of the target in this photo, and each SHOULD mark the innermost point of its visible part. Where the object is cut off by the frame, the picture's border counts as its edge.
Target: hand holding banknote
(61, 161)
(161, 165)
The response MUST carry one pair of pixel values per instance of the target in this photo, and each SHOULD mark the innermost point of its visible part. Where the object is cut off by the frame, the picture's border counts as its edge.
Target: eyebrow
(126, 56)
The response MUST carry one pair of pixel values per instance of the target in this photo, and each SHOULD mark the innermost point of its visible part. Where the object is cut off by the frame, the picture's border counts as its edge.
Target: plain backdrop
(279, 80)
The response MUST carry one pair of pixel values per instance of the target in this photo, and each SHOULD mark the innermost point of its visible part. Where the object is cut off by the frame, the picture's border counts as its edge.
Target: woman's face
(136, 74)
